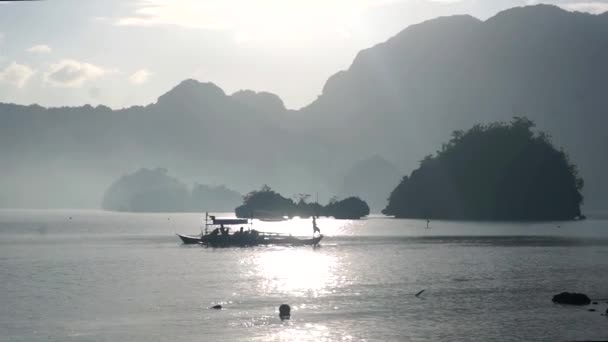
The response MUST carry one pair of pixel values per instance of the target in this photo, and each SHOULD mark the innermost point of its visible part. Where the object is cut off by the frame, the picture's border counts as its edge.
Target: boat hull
(292, 241)
(189, 239)
(246, 241)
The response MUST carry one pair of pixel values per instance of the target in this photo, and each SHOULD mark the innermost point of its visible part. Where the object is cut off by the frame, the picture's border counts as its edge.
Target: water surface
(98, 276)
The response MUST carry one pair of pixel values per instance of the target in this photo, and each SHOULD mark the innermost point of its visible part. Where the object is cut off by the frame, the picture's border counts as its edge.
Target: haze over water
(125, 277)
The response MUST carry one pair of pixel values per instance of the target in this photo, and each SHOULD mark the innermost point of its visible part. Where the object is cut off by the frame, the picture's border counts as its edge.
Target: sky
(121, 53)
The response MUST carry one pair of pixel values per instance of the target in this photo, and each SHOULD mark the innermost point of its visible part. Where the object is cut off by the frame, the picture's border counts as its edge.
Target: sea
(77, 275)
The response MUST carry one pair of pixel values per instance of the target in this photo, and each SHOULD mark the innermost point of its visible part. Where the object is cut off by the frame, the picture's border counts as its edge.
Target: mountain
(373, 179)
(147, 190)
(398, 99)
(67, 157)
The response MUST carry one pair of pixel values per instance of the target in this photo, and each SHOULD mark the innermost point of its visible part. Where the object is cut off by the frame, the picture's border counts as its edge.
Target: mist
(397, 102)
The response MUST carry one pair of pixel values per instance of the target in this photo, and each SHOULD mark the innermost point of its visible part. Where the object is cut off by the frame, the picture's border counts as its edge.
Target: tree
(348, 208)
(265, 203)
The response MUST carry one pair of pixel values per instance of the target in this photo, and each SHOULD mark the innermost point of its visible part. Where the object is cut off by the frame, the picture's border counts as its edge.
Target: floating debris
(419, 293)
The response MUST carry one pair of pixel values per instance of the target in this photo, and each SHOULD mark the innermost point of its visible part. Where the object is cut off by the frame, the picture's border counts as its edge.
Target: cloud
(140, 77)
(288, 20)
(267, 18)
(16, 74)
(42, 48)
(70, 73)
(590, 7)
(276, 16)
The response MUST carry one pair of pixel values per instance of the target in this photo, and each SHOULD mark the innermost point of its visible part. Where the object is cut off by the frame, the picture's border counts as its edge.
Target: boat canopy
(228, 221)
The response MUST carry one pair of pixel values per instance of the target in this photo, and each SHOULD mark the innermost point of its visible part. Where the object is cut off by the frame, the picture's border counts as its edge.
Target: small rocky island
(269, 204)
(500, 171)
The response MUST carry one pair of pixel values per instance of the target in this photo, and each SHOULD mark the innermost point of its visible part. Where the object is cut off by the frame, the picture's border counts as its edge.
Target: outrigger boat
(220, 235)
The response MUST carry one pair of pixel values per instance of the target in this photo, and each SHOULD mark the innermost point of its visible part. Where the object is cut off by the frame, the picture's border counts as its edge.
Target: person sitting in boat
(215, 232)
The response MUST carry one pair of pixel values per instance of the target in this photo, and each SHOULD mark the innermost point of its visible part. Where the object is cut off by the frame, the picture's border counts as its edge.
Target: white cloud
(70, 73)
(590, 7)
(140, 77)
(16, 74)
(42, 48)
(262, 18)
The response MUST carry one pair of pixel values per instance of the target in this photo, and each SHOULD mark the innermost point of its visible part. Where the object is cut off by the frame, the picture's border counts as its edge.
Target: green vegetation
(348, 208)
(266, 203)
(501, 171)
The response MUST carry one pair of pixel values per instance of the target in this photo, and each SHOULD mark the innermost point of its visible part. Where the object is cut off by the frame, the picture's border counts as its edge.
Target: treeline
(266, 203)
(153, 190)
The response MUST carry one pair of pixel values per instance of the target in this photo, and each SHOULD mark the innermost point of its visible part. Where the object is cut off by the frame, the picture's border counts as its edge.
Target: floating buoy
(284, 311)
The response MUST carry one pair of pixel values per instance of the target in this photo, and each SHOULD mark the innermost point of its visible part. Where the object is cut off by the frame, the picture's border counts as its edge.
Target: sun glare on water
(297, 272)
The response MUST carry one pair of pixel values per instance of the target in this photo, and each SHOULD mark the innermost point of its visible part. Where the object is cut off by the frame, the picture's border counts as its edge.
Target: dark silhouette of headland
(500, 171)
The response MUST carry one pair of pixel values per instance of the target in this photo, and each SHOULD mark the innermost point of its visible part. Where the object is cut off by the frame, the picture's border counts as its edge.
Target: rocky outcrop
(571, 298)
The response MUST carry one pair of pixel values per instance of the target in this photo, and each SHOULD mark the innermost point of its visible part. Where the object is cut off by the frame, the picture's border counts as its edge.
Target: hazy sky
(121, 53)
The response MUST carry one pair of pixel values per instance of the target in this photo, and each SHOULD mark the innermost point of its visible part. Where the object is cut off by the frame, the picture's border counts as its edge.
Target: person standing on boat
(315, 229)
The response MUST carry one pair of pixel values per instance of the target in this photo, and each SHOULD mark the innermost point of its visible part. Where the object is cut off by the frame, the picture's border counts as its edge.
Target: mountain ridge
(400, 99)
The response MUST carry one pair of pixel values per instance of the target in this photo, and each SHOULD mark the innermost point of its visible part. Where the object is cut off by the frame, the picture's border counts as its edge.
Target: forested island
(500, 171)
(267, 203)
(153, 190)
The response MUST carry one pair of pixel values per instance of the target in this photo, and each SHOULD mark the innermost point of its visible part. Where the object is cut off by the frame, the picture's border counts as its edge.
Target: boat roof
(228, 221)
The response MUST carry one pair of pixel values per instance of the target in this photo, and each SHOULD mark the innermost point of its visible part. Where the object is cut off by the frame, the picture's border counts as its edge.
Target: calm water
(124, 277)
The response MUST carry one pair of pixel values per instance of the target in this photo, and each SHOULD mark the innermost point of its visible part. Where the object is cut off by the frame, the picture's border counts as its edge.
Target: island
(154, 190)
(497, 172)
(270, 205)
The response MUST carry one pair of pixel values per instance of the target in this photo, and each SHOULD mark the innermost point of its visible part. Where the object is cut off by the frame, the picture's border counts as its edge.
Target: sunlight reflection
(308, 332)
(303, 226)
(297, 272)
